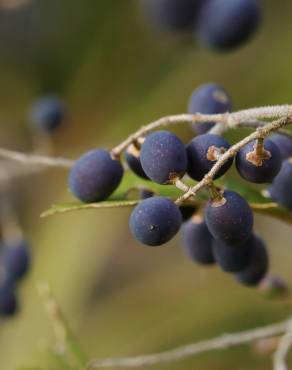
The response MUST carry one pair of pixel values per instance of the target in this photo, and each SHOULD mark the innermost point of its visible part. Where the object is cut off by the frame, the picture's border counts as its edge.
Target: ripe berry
(233, 258)
(280, 190)
(257, 267)
(132, 156)
(16, 260)
(163, 157)
(259, 167)
(203, 152)
(208, 99)
(187, 212)
(284, 144)
(8, 301)
(197, 241)
(48, 113)
(226, 24)
(95, 176)
(155, 221)
(172, 15)
(230, 219)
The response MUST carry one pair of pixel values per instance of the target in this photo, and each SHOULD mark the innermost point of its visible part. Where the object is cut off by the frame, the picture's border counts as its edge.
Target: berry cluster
(224, 234)
(218, 24)
(14, 265)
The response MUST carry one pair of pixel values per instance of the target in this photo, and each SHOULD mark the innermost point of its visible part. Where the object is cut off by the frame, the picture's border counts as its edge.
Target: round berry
(226, 24)
(132, 156)
(48, 114)
(16, 260)
(233, 258)
(259, 167)
(163, 157)
(208, 99)
(95, 176)
(155, 221)
(257, 267)
(229, 219)
(171, 15)
(8, 301)
(203, 152)
(284, 144)
(197, 241)
(280, 190)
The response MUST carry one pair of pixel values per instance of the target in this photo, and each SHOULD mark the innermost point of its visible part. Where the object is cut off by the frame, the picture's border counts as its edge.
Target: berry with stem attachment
(163, 157)
(229, 219)
(203, 152)
(259, 161)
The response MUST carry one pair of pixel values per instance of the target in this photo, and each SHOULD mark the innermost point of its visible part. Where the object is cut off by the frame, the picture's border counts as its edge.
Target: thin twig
(35, 159)
(280, 356)
(230, 153)
(229, 119)
(218, 343)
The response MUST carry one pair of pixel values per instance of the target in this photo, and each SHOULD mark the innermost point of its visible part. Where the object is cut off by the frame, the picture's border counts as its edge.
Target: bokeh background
(116, 73)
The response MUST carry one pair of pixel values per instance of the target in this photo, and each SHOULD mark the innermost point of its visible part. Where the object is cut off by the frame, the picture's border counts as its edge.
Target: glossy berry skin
(132, 156)
(155, 221)
(197, 241)
(229, 220)
(48, 114)
(163, 157)
(171, 15)
(258, 265)
(233, 258)
(256, 169)
(8, 301)
(203, 152)
(284, 144)
(280, 190)
(95, 176)
(208, 99)
(226, 24)
(187, 212)
(16, 260)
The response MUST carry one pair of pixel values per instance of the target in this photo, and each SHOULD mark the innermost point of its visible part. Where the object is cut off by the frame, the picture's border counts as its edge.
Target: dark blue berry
(226, 24)
(48, 114)
(230, 219)
(259, 167)
(257, 267)
(284, 144)
(187, 212)
(16, 260)
(8, 301)
(132, 156)
(208, 99)
(203, 152)
(163, 157)
(233, 258)
(281, 188)
(197, 241)
(155, 221)
(172, 15)
(95, 176)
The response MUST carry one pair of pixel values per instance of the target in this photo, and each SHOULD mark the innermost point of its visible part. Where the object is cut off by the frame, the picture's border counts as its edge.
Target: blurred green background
(116, 73)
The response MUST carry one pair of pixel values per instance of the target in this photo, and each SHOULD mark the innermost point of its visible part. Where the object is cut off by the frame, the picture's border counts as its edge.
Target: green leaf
(128, 196)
